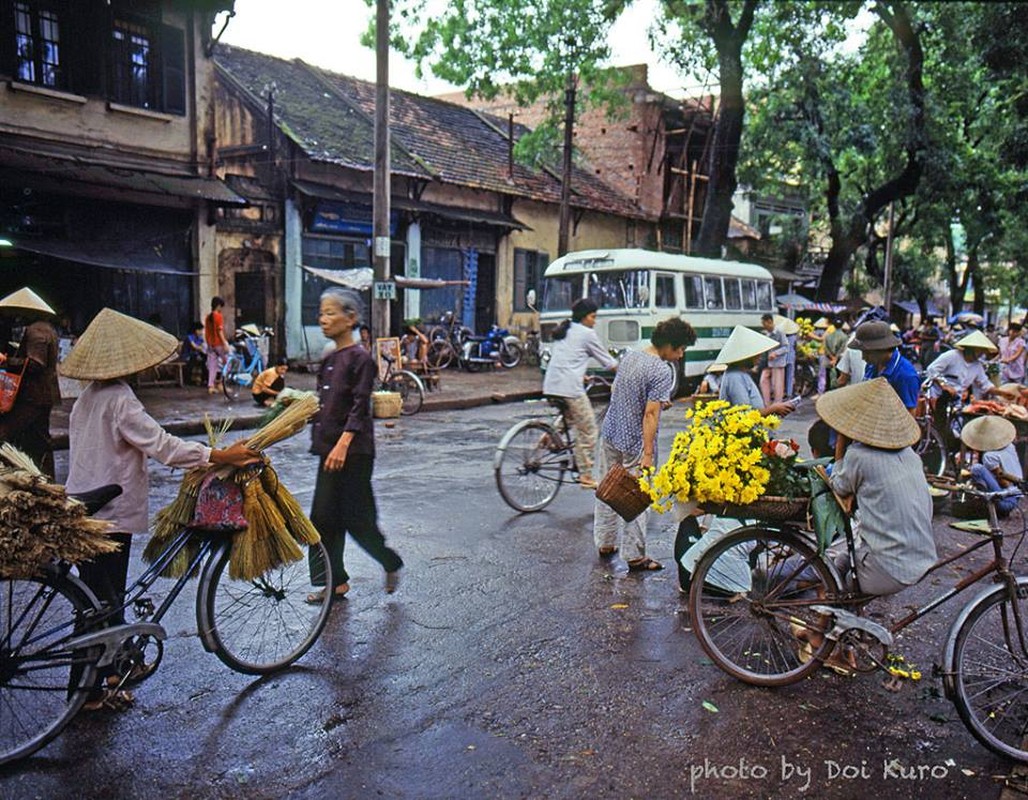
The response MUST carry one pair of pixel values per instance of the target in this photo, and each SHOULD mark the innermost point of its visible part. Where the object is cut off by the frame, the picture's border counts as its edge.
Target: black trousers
(345, 503)
(107, 576)
(27, 427)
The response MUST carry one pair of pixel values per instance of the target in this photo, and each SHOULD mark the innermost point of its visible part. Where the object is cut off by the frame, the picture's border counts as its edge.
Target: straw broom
(296, 521)
(265, 543)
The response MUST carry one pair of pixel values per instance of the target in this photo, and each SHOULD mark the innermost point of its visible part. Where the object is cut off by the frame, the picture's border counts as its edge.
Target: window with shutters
(147, 64)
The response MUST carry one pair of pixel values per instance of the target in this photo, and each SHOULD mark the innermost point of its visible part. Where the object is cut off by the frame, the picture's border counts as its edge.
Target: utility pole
(563, 235)
(380, 308)
(888, 262)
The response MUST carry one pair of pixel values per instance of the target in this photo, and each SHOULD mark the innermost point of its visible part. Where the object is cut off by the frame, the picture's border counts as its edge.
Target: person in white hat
(111, 437)
(740, 353)
(886, 477)
(955, 372)
(998, 466)
(27, 424)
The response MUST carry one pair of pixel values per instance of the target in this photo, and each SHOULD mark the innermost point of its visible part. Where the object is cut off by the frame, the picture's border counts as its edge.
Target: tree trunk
(897, 17)
(724, 151)
(956, 291)
(974, 273)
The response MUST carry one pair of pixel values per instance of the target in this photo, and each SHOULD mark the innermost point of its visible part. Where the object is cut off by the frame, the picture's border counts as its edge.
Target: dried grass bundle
(286, 424)
(39, 523)
(266, 542)
(297, 522)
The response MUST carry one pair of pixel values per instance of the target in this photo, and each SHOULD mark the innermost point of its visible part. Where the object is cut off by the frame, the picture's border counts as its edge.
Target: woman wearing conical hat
(998, 465)
(27, 424)
(739, 354)
(110, 439)
(886, 477)
(957, 371)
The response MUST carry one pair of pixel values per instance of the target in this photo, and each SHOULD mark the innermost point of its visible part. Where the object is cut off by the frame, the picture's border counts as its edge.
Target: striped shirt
(895, 507)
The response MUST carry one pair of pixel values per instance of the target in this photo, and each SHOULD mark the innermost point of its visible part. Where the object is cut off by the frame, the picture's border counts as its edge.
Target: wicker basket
(386, 405)
(770, 507)
(620, 490)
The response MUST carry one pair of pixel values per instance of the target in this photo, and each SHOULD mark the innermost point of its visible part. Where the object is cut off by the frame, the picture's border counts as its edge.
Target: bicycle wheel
(263, 625)
(42, 684)
(229, 382)
(990, 672)
(410, 389)
(529, 465)
(440, 354)
(932, 451)
(750, 605)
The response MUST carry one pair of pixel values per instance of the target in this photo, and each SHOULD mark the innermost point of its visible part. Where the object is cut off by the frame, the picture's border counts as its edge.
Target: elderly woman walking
(343, 438)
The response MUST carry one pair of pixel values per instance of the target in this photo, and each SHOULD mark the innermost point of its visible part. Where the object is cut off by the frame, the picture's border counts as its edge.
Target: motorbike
(498, 346)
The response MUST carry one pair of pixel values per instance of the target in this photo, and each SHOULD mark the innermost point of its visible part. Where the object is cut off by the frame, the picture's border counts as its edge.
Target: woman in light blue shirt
(574, 343)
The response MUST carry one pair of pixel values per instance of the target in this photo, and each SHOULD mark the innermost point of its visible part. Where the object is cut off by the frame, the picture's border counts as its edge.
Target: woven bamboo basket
(620, 490)
(770, 507)
(386, 405)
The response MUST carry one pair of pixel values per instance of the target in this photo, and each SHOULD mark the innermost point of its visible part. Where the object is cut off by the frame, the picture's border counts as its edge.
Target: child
(998, 466)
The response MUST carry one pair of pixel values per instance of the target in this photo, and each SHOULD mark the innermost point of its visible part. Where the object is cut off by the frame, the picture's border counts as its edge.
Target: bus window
(628, 289)
(749, 295)
(559, 294)
(693, 291)
(765, 297)
(715, 297)
(664, 292)
(733, 295)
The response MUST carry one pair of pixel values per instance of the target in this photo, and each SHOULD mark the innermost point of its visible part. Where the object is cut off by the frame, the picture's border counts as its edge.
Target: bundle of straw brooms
(276, 525)
(40, 523)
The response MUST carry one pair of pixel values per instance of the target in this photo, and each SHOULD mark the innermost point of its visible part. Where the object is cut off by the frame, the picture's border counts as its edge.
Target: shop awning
(361, 278)
(51, 170)
(456, 213)
(798, 302)
(911, 307)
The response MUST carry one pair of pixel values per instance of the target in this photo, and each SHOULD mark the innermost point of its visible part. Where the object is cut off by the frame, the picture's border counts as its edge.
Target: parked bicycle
(405, 383)
(755, 589)
(55, 635)
(245, 362)
(938, 456)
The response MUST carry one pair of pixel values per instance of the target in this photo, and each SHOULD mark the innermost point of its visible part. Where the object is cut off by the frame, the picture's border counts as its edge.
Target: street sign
(385, 290)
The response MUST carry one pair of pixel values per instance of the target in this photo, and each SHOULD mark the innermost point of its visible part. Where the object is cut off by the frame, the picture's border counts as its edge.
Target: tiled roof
(307, 112)
(430, 138)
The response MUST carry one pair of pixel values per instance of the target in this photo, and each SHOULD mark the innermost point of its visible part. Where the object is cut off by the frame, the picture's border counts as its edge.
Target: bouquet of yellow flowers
(719, 458)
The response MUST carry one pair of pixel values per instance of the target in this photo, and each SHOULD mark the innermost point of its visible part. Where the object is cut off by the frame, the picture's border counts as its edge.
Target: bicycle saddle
(560, 403)
(95, 499)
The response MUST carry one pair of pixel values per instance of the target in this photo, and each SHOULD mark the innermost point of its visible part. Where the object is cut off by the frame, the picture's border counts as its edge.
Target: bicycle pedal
(143, 608)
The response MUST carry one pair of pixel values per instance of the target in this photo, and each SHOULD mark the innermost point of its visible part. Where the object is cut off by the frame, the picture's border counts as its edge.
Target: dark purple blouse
(345, 380)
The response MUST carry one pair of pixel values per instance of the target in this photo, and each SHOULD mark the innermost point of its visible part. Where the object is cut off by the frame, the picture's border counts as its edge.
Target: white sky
(327, 33)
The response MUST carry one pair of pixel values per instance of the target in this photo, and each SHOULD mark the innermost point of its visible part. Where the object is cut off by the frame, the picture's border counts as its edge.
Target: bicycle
(405, 383)
(755, 589)
(938, 457)
(532, 459)
(243, 364)
(55, 635)
(532, 349)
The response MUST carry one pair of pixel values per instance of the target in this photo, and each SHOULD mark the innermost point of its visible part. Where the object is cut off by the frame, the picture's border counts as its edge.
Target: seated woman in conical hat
(885, 476)
(998, 467)
(111, 436)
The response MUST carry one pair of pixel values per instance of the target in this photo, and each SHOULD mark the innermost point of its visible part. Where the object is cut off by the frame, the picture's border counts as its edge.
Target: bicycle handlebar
(1010, 491)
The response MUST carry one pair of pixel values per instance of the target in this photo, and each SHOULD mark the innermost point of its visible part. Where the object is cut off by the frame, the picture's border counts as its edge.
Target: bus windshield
(560, 293)
(627, 289)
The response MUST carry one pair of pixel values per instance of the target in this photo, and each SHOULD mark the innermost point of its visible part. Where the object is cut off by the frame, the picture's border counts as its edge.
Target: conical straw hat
(27, 300)
(744, 344)
(977, 340)
(788, 326)
(114, 346)
(988, 433)
(869, 412)
(822, 322)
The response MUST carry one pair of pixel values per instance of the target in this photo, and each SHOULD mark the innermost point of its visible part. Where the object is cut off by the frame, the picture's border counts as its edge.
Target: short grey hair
(348, 300)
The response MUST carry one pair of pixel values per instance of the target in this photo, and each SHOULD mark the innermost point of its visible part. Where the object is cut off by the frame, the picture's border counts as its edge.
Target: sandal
(607, 552)
(317, 598)
(644, 564)
(110, 700)
(587, 482)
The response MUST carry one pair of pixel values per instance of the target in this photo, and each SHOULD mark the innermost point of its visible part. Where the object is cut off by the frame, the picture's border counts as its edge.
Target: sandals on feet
(644, 564)
(317, 598)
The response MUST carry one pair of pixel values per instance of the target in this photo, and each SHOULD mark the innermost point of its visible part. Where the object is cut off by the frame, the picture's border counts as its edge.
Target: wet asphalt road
(511, 663)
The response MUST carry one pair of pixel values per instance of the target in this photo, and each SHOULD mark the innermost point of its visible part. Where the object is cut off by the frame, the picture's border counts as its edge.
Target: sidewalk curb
(250, 421)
